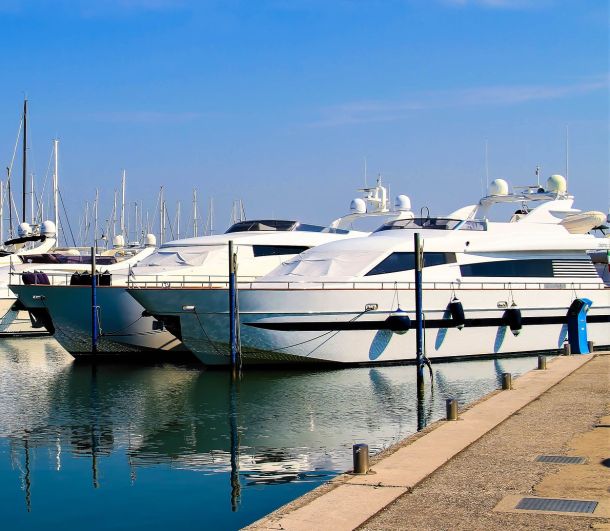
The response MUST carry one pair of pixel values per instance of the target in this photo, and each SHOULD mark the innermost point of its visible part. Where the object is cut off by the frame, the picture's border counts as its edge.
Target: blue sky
(279, 102)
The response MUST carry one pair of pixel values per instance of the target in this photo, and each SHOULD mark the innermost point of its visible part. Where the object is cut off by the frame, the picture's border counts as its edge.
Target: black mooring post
(419, 315)
(94, 325)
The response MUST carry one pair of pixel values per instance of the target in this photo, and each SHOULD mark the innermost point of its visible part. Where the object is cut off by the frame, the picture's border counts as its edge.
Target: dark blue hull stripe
(317, 326)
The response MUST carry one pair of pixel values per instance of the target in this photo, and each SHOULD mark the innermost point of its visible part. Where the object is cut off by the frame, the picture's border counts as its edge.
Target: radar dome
(118, 241)
(358, 206)
(150, 240)
(498, 187)
(556, 183)
(48, 229)
(24, 229)
(402, 203)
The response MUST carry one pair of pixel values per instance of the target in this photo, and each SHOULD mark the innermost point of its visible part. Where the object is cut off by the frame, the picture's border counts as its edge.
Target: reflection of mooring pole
(233, 411)
(26, 477)
(94, 403)
(419, 315)
(94, 327)
(233, 312)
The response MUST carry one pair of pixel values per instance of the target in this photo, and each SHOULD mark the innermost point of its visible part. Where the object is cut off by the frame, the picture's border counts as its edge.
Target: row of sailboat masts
(133, 229)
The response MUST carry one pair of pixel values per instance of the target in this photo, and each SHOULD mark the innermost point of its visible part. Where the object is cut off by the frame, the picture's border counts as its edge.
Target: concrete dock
(474, 472)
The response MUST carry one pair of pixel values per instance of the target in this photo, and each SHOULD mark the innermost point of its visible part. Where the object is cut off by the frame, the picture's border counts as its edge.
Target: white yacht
(30, 241)
(59, 267)
(261, 245)
(489, 288)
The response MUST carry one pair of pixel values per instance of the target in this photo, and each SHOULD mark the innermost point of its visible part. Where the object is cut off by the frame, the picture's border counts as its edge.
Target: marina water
(124, 446)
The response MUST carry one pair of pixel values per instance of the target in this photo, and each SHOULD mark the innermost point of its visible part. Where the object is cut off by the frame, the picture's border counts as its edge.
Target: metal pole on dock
(233, 311)
(419, 316)
(94, 326)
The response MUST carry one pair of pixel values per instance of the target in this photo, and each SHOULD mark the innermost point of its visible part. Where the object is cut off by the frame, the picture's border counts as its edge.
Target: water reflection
(171, 441)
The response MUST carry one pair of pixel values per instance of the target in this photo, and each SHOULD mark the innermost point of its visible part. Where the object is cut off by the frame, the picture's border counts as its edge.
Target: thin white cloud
(384, 111)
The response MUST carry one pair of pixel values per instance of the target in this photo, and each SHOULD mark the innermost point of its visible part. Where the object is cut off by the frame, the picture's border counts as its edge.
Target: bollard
(507, 381)
(591, 346)
(361, 458)
(567, 349)
(452, 409)
(541, 363)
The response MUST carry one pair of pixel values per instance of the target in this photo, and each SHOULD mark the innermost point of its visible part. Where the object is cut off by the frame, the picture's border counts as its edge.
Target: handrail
(251, 282)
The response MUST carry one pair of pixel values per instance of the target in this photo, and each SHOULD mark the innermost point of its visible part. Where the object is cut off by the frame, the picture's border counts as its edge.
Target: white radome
(48, 229)
(498, 187)
(403, 203)
(556, 183)
(358, 206)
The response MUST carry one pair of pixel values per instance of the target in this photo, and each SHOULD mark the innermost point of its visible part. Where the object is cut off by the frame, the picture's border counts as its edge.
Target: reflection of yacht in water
(190, 419)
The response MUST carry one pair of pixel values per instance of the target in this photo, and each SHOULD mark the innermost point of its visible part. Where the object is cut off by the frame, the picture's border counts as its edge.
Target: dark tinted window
(304, 227)
(256, 225)
(406, 261)
(275, 250)
(509, 268)
(433, 223)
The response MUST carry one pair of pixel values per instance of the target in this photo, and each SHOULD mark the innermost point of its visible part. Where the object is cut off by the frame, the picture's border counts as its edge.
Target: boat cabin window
(434, 224)
(406, 261)
(531, 268)
(256, 225)
(277, 250)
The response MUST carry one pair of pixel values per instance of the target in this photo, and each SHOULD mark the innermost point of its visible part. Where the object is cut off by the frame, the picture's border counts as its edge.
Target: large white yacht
(261, 245)
(488, 288)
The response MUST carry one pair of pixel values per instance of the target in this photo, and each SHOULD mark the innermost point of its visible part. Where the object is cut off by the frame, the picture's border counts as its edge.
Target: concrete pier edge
(348, 501)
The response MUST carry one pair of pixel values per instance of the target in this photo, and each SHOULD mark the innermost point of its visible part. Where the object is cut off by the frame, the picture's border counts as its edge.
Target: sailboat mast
(97, 196)
(56, 187)
(1, 212)
(123, 204)
(195, 213)
(25, 144)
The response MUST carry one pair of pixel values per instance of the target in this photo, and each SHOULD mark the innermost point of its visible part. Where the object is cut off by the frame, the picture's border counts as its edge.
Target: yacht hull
(349, 325)
(124, 330)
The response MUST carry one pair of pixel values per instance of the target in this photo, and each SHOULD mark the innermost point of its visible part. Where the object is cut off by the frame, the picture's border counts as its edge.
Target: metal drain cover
(561, 459)
(553, 504)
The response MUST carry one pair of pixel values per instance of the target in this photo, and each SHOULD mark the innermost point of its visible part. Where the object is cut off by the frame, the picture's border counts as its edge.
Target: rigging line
(209, 339)
(61, 197)
(334, 332)
(116, 332)
(333, 335)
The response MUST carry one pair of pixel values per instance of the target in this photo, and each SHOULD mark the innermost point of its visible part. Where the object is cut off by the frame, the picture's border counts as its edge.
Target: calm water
(127, 447)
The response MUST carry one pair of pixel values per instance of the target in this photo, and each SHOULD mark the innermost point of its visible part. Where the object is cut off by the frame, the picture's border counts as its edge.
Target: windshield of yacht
(278, 225)
(304, 227)
(434, 224)
(256, 225)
